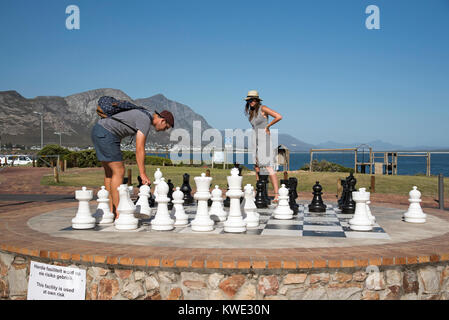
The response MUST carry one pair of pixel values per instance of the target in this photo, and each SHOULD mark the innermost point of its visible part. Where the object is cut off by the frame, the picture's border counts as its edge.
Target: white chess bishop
(103, 211)
(83, 218)
(162, 220)
(414, 213)
(283, 211)
(252, 217)
(181, 218)
(126, 209)
(157, 179)
(202, 221)
(360, 221)
(216, 209)
(142, 205)
(235, 222)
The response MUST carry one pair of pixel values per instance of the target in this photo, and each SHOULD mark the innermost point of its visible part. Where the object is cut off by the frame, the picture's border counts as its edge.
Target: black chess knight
(317, 204)
(187, 189)
(292, 194)
(348, 206)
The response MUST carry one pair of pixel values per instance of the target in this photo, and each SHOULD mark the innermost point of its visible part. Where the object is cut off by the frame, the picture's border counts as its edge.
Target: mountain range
(75, 115)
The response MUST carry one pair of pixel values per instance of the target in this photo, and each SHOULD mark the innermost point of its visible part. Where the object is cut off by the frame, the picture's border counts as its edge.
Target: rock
(370, 295)
(344, 291)
(4, 290)
(97, 272)
(175, 294)
(410, 296)
(319, 277)
(139, 275)
(3, 269)
(92, 294)
(108, 289)
(375, 281)
(193, 284)
(410, 282)
(247, 292)
(275, 298)
(430, 278)
(315, 294)
(217, 295)
(18, 282)
(133, 290)
(394, 277)
(151, 283)
(153, 296)
(232, 284)
(167, 277)
(295, 278)
(392, 293)
(359, 276)
(214, 280)
(341, 277)
(193, 276)
(296, 293)
(123, 274)
(6, 259)
(268, 285)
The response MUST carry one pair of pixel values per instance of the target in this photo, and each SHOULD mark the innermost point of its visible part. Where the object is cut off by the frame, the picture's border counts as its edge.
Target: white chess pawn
(235, 222)
(157, 179)
(414, 213)
(181, 218)
(162, 220)
(283, 211)
(126, 209)
(202, 221)
(103, 211)
(370, 215)
(83, 218)
(142, 204)
(216, 209)
(360, 221)
(252, 217)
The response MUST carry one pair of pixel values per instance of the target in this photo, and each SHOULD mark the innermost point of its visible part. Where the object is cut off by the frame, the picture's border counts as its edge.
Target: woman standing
(264, 154)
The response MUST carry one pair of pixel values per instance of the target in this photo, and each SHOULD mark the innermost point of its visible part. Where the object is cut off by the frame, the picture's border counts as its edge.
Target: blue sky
(314, 62)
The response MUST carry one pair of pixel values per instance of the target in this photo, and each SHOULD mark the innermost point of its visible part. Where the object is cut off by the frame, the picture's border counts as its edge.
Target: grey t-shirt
(133, 118)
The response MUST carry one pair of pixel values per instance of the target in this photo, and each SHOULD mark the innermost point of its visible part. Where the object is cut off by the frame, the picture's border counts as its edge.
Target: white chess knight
(414, 213)
(126, 209)
(216, 209)
(181, 218)
(252, 217)
(283, 211)
(103, 211)
(202, 221)
(83, 218)
(157, 179)
(162, 220)
(235, 222)
(142, 204)
(360, 221)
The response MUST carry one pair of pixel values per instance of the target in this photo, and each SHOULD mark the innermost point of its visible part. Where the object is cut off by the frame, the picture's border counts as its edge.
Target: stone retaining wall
(423, 281)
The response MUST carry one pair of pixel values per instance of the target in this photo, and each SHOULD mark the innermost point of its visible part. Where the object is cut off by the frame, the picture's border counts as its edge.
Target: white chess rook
(125, 209)
(157, 179)
(360, 221)
(181, 218)
(283, 211)
(414, 213)
(252, 217)
(103, 211)
(202, 221)
(216, 209)
(162, 220)
(83, 218)
(235, 222)
(142, 204)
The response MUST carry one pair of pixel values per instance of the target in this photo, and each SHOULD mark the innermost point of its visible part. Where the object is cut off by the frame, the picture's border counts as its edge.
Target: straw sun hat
(253, 94)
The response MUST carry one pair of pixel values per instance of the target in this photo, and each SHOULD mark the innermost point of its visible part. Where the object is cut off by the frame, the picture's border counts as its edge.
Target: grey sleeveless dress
(263, 153)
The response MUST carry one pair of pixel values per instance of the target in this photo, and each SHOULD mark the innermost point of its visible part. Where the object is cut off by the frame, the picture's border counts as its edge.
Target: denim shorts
(107, 144)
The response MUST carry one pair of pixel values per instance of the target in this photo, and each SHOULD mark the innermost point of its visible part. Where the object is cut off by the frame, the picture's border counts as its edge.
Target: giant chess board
(304, 224)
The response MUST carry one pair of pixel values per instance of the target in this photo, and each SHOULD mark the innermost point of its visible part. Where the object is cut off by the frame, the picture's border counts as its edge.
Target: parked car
(18, 160)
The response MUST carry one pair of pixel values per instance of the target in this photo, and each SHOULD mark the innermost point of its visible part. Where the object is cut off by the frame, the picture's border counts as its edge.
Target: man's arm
(140, 156)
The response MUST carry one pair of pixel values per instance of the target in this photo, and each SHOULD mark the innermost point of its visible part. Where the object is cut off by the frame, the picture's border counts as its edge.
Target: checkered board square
(304, 224)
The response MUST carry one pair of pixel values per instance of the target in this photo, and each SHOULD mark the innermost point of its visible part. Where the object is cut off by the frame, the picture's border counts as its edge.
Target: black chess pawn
(187, 190)
(317, 204)
(150, 198)
(260, 200)
(170, 194)
(292, 194)
(349, 205)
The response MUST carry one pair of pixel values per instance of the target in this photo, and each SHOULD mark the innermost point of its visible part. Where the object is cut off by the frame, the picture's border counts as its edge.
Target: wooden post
(130, 176)
(65, 164)
(34, 163)
(339, 188)
(56, 174)
(207, 173)
(373, 184)
(311, 160)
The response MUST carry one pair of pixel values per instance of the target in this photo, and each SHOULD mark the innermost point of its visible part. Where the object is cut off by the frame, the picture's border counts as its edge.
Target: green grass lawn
(93, 178)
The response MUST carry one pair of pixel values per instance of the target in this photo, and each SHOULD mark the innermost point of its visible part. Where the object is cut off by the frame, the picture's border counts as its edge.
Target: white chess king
(202, 221)
(103, 211)
(83, 218)
(125, 209)
(235, 222)
(414, 213)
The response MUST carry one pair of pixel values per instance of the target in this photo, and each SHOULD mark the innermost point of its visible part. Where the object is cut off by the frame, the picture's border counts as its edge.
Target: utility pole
(60, 134)
(42, 128)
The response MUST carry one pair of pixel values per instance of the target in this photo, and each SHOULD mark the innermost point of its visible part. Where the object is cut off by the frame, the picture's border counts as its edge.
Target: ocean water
(439, 162)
